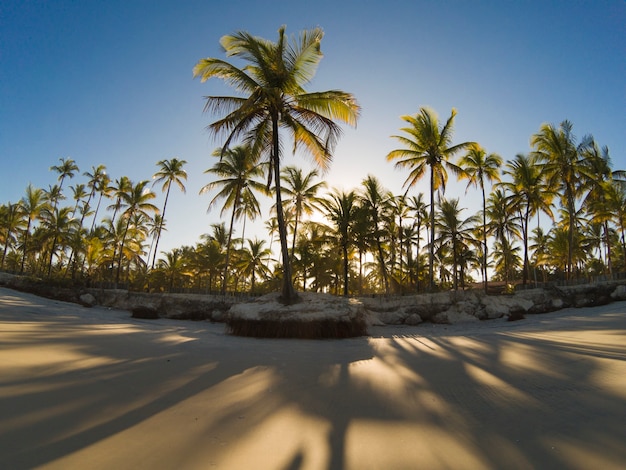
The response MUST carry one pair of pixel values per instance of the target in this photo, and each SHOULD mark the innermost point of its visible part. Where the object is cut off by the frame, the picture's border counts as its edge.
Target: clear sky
(111, 83)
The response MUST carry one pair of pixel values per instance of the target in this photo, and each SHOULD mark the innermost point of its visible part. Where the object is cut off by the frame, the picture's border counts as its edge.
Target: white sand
(95, 389)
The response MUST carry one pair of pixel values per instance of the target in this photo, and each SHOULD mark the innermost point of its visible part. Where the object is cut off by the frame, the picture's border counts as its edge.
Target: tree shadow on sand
(126, 392)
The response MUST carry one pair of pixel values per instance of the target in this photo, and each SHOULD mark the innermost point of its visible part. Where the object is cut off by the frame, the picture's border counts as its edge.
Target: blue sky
(111, 83)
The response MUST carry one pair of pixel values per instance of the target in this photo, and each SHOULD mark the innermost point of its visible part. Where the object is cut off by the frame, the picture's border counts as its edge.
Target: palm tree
(540, 249)
(479, 166)
(502, 225)
(598, 203)
(11, 222)
(375, 200)
(529, 194)
(427, 145)
(301, 195)
(564, 167)
(251, 261)
(53, 195)
(237, 167)
(60, 223)
(135, 202)
(67, 168)
(400, 210)
(340, 208)
(170, 171)
(172, 266)
(118, 190)
(98, 181)
(418, 207)
(455, 231)
(79, 193)
(273, 83)
(31, 206)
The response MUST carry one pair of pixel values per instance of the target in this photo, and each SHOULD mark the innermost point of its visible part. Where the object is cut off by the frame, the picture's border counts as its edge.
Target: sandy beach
(95, 389)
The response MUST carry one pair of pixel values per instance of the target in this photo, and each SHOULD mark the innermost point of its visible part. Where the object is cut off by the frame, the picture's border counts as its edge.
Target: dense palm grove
(557, 213)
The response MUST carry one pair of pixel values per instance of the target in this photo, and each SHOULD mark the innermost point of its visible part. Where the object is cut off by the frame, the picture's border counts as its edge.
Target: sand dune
(95, 389)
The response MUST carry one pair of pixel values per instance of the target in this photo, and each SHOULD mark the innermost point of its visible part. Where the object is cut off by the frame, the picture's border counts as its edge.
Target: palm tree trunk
(288, 294)
(25, 245)
(607, 242)
(119, 263)
(572, 216)
(158, 235)
(344, 248)
(431, 254)
(482, 187)
(228, 243)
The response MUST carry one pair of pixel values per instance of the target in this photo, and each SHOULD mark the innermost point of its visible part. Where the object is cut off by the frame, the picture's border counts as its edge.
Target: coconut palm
(11, 222)
(99, 181)
(237, 169)
(301, 197)
(272, 84)
(251, 261)
(340, 208)
(67, 168)
(563, 164)
(172, 266)
(529, 194)
(427, 145)
(419, 208)
(503, 226)
(597, 202)
(375, 201)
(170, 171)
(479, 166)
(53, 195)
(134, 203)
(399, 212)
(454, 231)
(60, 224)
(118, 190)
(31, 206)
(78, 194)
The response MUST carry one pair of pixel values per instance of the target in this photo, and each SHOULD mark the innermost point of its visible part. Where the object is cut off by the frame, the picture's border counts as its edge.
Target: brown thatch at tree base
(309, 329)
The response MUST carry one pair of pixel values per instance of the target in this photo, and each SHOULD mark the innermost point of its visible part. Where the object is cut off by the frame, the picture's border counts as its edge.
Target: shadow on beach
(83, 388)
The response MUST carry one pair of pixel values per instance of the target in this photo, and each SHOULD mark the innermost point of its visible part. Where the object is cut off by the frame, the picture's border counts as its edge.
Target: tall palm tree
(455, 231)
(237, 169)
(479, 166)
(135, 203)
(420, 214)
(118, 190)
(340, 208)
(31, 206)
(99, 181)
(597, 202)
(375, 201)
(301, 195)
(564, 167)
(53, 195)
(400, 210)
(170, 171)
(272, 84)
(60, 223)
(503, 226)
(427, 145)
(65, 169)
(172, 266)
(11, 222)
(529, 194)
(78, 194)
(252, 261)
